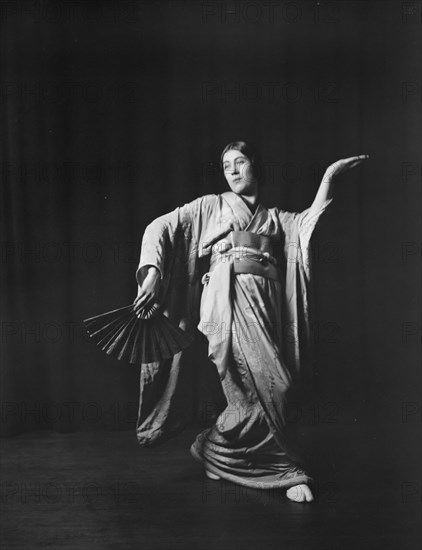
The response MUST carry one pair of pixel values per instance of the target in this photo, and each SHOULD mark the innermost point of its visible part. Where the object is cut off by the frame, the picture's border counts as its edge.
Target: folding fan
(122, 334)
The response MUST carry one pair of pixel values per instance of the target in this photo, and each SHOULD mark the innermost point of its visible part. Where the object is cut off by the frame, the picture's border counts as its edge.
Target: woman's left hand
(343, 165)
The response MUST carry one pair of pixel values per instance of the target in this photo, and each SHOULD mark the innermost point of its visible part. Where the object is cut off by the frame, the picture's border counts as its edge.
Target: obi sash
(249, 253)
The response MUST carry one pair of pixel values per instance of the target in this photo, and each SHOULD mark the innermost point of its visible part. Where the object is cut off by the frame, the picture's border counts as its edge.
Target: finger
(138, 300)
(356, 162)
(146, 303)
(141, 296)
(351, 162)
(143, 302)
(138, 310)
(356, 158)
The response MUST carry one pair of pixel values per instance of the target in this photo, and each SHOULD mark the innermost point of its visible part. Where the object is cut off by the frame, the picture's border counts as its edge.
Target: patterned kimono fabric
(241, 314)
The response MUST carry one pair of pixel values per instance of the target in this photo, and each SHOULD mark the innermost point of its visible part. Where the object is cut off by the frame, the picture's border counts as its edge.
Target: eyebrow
(226, 161)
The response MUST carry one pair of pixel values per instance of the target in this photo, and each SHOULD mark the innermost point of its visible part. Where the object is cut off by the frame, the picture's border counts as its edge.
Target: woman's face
(238, 171)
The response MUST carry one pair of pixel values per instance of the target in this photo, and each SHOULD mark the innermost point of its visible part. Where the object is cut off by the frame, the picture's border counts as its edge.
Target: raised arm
(326, 188)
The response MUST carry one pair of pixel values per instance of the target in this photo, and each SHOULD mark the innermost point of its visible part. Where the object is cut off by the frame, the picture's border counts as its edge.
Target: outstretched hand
(343, 165)
(325, 190)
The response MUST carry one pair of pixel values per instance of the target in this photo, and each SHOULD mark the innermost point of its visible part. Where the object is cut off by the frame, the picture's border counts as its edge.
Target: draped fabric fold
(216, 317)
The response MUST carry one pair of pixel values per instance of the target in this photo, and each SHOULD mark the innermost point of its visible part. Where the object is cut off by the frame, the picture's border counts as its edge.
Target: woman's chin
(240, 189)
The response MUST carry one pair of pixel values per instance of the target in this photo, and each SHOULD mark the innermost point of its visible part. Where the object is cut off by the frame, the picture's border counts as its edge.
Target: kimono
(251, 303)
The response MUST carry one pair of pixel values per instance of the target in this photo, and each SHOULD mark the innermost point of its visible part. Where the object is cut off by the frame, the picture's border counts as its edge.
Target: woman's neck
(251, 201)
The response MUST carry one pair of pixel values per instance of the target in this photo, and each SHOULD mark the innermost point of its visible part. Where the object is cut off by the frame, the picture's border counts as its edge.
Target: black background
(116, 113)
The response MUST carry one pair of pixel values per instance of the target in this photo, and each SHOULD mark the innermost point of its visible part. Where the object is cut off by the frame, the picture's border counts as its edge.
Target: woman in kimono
(252, 304)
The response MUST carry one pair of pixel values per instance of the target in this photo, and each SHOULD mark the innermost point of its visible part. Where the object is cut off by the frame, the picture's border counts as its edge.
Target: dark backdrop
(115, 113)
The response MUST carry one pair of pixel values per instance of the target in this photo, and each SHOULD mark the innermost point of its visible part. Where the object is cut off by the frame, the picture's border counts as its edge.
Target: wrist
(153, 272)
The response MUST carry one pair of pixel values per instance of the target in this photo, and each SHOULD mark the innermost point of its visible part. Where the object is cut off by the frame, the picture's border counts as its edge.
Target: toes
(210, 475)
(300, 493)
(295, 494)
(308, 495)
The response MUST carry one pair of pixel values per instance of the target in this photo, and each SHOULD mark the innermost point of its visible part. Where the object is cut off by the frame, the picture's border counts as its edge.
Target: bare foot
(300, 493)
(210, 475)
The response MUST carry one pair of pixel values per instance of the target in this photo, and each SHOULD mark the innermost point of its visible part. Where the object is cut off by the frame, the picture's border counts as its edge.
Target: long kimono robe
(257, 330)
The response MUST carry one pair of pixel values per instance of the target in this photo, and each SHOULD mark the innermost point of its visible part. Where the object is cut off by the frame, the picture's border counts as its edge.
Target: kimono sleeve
(298, 228)
(160, 235)
(167, 397)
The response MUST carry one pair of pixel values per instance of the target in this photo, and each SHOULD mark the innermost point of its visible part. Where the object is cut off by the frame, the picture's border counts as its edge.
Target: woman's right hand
(148, 291)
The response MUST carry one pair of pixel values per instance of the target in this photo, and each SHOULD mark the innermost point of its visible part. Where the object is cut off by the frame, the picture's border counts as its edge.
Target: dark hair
(253, 155)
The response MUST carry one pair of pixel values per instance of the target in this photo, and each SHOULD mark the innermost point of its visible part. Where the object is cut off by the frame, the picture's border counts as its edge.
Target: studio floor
(101, 490)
